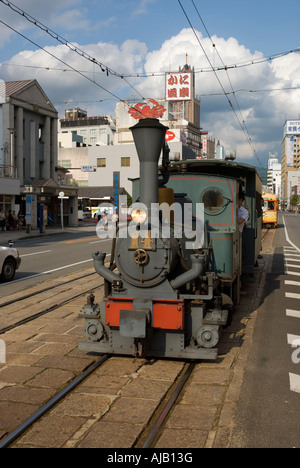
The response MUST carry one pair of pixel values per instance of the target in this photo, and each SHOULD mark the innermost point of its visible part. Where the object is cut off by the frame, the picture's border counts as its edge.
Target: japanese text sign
(179, 86)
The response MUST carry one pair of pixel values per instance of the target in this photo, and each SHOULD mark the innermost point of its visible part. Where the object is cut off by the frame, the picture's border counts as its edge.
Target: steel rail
(170, 403)
(51, 403)
(27, 296)
(44, 312)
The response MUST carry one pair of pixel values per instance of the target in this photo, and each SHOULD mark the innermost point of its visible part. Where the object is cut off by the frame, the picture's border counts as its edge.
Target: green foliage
(295, 199)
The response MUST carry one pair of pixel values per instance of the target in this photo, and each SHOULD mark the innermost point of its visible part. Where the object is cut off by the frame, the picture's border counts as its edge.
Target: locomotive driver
(243, 213)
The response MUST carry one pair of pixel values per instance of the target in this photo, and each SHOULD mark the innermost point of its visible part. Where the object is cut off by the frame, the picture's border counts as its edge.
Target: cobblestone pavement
(111, 408)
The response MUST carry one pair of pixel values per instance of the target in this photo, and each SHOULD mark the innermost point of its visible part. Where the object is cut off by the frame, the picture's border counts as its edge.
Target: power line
(104, 68)
(243, 123)
(244, 129)
(269, 90)
(64, 70)
(60, 60)
(65, 42)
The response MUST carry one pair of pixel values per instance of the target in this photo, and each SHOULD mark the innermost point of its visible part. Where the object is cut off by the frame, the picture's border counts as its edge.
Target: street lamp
(61, 196)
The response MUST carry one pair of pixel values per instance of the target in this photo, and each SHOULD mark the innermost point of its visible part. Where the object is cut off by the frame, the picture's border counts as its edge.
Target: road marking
(292, 283)
(287, 237)
(51, 271)
(293, 259)
(293, 340)
(293, 313)
(48, 272)
(36, 253)
(295, 273)
(292, 295)
(295, 383)
(98, 241)
(77, 241)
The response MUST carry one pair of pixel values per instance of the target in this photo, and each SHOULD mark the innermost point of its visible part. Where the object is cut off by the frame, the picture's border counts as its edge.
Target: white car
(9, 262)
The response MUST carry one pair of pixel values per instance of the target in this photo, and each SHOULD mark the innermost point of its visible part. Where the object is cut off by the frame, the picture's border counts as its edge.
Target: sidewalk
(6, 236)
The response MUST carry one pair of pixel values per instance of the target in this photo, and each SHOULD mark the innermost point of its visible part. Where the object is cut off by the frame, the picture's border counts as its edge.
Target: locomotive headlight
(139, 215)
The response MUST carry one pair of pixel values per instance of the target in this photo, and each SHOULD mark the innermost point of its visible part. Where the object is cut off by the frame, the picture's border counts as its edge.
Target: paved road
(51, 256)
(268, 411)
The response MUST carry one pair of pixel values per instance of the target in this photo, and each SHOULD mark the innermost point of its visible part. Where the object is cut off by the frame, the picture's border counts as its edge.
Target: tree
(295, 199)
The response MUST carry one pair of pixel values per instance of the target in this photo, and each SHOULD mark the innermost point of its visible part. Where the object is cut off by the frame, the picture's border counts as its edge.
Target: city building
(93, 162)
(290, 160)
(95, 149)
(28, 156)
(220, 151)
(274, 175)
(95, 131)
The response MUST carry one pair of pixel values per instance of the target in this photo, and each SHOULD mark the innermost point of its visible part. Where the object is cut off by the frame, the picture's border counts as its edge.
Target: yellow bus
(270, 209)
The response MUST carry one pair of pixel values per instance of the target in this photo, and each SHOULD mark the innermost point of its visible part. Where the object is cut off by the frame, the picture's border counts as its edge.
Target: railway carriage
(172, 284)
(270, 209)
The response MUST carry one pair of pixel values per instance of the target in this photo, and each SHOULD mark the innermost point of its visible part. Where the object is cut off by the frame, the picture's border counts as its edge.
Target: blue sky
(134, 36)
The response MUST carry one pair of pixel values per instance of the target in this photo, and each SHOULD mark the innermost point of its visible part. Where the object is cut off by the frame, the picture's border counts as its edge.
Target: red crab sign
(147, 110)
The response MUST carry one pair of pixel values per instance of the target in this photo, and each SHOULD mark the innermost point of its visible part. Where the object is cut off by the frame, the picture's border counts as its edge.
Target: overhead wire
(60, 60)
(244, 130)
(107, 69)
(242, 122)
(65, 42)
(117, 98)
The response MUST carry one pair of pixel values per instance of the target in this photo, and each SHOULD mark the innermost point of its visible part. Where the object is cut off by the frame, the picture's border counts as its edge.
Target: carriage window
(271, 206)
(213, 200)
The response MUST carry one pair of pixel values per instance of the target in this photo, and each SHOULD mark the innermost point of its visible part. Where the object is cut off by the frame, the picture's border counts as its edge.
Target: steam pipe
(101, 269)
(190, 275)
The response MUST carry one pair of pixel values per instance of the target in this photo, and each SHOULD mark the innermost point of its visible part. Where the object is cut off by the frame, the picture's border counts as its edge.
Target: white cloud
(264, 113)
(141, 7)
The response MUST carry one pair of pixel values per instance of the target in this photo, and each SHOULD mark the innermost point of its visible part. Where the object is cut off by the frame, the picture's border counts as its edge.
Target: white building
(220, 151)
(95, 131)
(121, 156)
(274, 175)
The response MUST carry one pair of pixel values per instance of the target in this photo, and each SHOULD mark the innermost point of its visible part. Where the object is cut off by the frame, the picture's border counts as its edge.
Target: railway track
(167, 399)
(19, 431)
(122, 402)
(27, 307)
(148, 435)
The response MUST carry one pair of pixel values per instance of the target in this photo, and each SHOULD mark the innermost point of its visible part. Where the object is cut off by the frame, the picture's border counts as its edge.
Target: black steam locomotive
(176, 268)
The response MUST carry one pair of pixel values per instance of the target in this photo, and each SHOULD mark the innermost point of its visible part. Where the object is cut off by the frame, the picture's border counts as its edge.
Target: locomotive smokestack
(149, 136)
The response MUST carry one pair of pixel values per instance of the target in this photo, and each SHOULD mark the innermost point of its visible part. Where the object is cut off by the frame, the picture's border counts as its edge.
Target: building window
(66, 163)
(125, 162)
(93, 131)
(101, 162)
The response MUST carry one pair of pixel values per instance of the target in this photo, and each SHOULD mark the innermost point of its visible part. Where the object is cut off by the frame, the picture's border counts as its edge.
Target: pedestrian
(15, 220)
(21, 220)
(2, 220)
(10, 220)
(243, 213)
